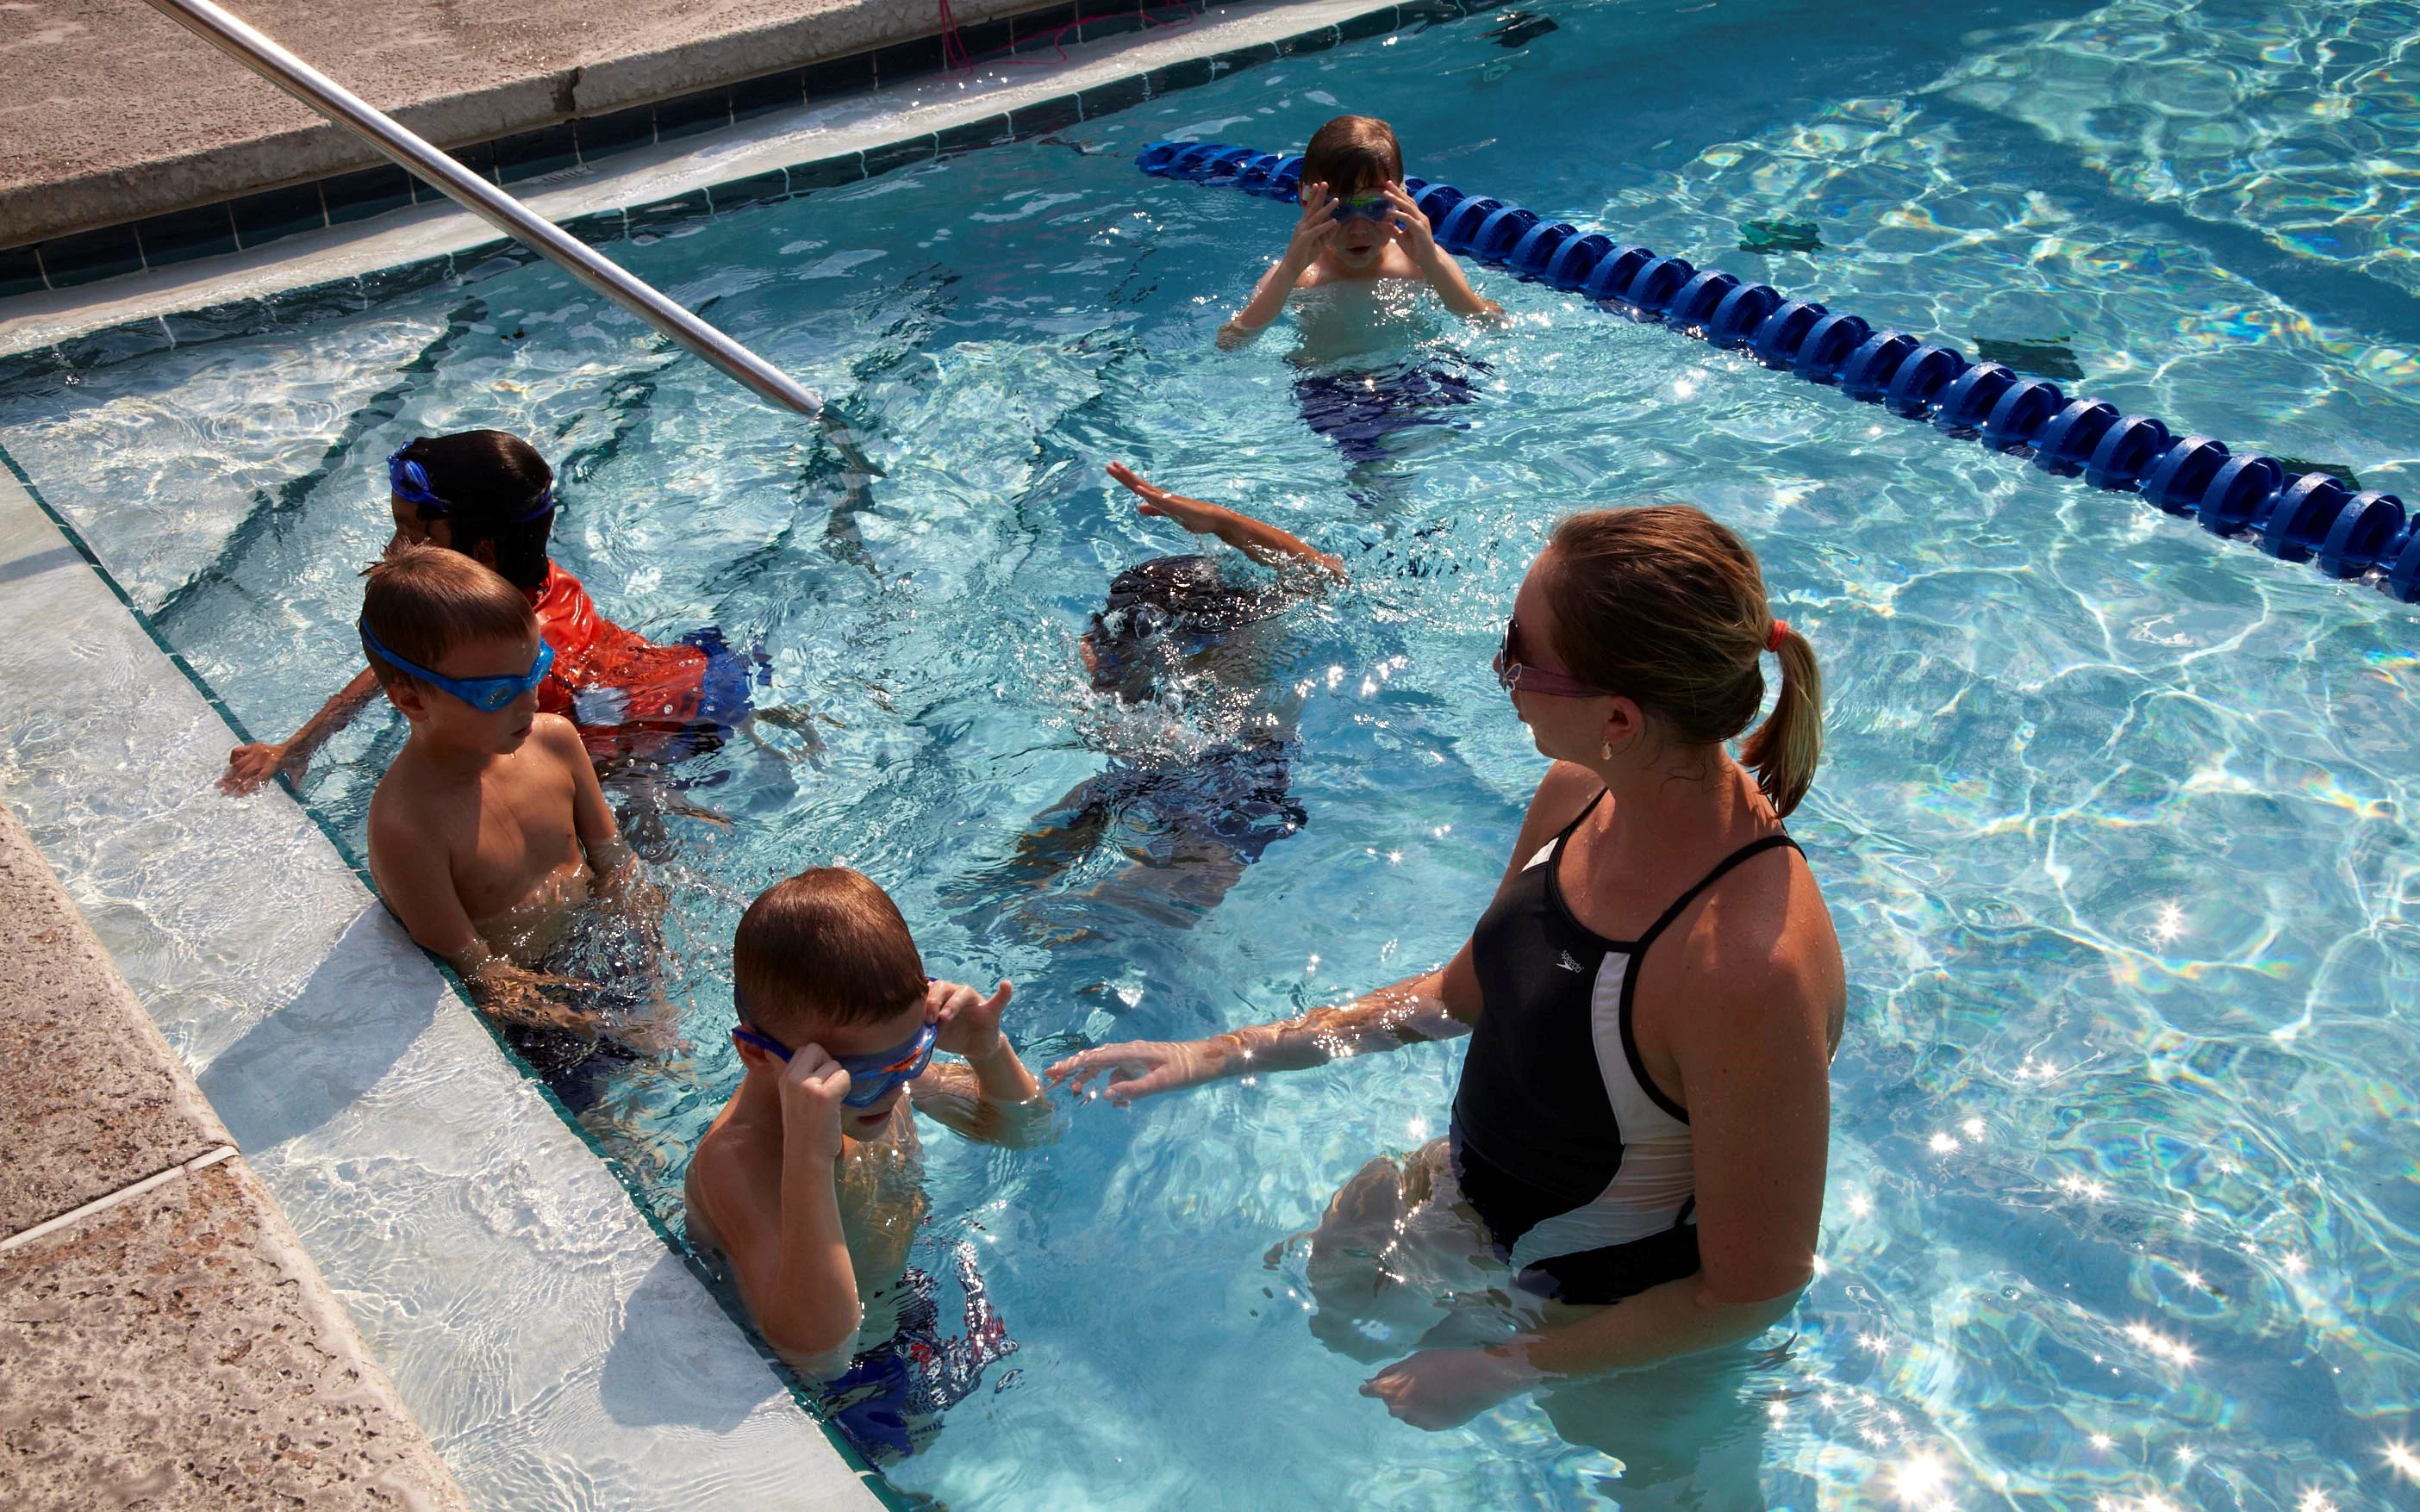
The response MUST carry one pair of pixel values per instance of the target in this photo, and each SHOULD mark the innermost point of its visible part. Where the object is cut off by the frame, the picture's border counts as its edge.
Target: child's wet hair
(490, 480)
(423, 601)
(827, 947)
(1187, 596)
(1353, 155)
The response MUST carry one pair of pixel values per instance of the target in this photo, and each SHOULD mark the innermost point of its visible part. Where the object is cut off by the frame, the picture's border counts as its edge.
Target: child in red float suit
(490, 497)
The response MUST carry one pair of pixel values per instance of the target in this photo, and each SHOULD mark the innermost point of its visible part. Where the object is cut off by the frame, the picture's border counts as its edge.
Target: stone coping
(652, 190)
(547, 1339)
(169, 1343)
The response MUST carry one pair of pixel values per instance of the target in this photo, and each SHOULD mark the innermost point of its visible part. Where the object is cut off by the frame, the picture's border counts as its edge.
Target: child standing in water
(490, 497)
(1358, 228)
(490, 832)
(810, 1181)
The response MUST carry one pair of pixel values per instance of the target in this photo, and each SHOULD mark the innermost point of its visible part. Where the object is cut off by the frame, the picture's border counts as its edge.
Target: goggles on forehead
(871, 1078)
(409, 481)
(1524, 679)
(484, 694)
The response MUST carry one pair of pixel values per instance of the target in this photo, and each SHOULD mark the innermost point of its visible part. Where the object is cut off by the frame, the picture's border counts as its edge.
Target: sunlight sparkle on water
(2314, 1500)
(1920, 1478)
(2170, 925)
(2403, 1459)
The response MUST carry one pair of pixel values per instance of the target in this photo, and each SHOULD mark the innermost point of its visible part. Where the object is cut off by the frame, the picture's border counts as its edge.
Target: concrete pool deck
(114, 112)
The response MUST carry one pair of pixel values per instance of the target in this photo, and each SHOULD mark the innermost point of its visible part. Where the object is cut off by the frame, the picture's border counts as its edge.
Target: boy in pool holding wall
(1358, 226)
(490, 497)
(810, 1180)
(490, 831)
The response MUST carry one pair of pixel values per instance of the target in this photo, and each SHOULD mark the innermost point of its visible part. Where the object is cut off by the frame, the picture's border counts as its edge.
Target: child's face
(1360, 241)
(842, 1041)
(451, 722)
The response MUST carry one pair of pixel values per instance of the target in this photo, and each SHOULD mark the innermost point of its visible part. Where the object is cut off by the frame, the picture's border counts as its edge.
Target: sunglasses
(484, 694)
(871, 1078)
(1518, 677)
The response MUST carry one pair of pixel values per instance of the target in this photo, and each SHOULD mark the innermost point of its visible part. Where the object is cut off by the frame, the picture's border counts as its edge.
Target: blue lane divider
(2315, 518)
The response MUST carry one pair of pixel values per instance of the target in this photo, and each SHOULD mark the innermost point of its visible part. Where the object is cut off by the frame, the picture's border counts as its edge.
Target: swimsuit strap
(1754, 847)
(1577, 819)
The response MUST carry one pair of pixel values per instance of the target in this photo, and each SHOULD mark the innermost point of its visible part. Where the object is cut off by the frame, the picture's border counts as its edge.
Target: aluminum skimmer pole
(247, 46)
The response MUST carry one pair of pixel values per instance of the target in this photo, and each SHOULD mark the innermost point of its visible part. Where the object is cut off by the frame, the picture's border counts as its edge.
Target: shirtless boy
(1358, 226)
(488, 831)
(810, 1180)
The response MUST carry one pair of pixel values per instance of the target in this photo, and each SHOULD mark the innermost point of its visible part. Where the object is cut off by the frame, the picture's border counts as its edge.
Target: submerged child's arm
(1258, 539)
(415, 881)
(1311, 234)
(249, 766)
(992, 1098)
(786, 1246)
(592, 818)
(1410, 229)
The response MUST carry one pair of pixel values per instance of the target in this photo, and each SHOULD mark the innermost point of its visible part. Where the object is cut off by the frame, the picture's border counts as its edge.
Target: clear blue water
(2115, 821)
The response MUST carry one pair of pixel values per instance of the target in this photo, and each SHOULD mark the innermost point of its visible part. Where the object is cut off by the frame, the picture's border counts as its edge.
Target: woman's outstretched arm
(1438, 1006)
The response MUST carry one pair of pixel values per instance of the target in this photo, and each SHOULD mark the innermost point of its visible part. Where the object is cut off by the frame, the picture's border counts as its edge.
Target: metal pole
(481, 198)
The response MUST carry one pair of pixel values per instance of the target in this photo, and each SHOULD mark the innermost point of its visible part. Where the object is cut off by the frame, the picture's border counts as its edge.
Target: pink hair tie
(1773, 641)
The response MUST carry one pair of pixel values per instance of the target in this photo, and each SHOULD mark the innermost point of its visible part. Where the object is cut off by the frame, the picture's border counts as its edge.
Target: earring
(1608, 751)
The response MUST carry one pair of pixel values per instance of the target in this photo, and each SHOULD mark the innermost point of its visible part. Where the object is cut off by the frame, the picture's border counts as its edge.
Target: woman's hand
(251, 766)
(966, 1022)
(1196, 516)
(1446, 1388)
(1139, 1068)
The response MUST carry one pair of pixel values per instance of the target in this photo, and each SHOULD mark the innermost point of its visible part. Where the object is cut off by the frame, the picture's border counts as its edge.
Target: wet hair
(489, 481)
(1665, 607)
(423, 601)
(1183, 597)
(827, 947)
(1353, 155)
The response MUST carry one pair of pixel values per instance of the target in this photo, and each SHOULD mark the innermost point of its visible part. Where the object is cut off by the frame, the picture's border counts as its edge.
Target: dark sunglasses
(1518, 677)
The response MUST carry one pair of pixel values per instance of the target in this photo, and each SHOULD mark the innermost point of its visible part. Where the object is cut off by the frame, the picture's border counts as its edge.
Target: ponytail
(1783, 750)
(1667, 607)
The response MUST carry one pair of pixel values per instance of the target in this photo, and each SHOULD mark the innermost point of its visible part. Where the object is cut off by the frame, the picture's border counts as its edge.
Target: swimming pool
(2113, 819)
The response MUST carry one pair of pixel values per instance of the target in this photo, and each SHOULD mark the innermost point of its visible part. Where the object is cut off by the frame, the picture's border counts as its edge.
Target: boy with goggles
(809, 1181)
(1358, 228)
(488, 832)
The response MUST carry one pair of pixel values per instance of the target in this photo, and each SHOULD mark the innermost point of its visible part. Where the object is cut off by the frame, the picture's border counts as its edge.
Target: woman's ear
(1625, 722)
(484, 553)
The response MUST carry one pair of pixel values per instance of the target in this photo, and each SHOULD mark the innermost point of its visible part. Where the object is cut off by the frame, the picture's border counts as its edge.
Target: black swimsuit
(1582, 1171)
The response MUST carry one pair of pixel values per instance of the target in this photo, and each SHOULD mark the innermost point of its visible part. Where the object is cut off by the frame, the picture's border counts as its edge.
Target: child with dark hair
(809, 1182)
(488, 832)
(1358, 226)
(1181, 630)
(490, 497)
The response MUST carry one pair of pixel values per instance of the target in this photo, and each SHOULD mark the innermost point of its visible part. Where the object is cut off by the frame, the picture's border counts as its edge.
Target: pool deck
(114, 112)
(170, 1342)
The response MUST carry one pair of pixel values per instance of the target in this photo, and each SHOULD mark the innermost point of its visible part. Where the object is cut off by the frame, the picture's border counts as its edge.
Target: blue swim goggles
(408, 481)
(484, 694)
(871, 1078)
(1376, 206)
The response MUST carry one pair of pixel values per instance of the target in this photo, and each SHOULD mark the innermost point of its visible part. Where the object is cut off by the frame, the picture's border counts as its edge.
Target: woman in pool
(1652, 996)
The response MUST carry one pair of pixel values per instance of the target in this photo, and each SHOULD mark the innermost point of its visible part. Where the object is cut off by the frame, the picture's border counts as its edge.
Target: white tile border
(539, 1329)
(922, 108)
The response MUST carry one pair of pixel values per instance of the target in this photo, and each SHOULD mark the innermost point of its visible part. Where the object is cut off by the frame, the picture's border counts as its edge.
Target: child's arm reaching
(249, 766)
(1410, 229)
(790, 1255)
(1311, 234)
(992, 1097)
(1258, 539)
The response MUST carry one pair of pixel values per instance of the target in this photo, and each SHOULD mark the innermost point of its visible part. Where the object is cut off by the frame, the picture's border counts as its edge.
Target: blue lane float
(2315, 518)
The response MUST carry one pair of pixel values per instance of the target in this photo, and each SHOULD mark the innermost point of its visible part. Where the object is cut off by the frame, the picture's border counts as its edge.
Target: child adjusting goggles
(484, 694)
(871, 1078)
(1374, 206)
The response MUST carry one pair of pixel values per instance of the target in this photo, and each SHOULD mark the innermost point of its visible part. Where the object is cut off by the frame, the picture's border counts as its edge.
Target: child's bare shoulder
(558, 737)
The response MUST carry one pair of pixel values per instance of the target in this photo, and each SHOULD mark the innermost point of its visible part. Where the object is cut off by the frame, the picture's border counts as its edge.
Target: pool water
(2115, 820)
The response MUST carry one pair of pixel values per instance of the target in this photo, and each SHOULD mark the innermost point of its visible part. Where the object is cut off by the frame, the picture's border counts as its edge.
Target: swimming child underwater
(490, 497)
(489, 835)
(810, 1181)
(1358, 229)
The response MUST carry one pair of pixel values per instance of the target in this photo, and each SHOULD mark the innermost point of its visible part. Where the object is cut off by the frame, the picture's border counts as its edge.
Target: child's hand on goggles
(968, 1022)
